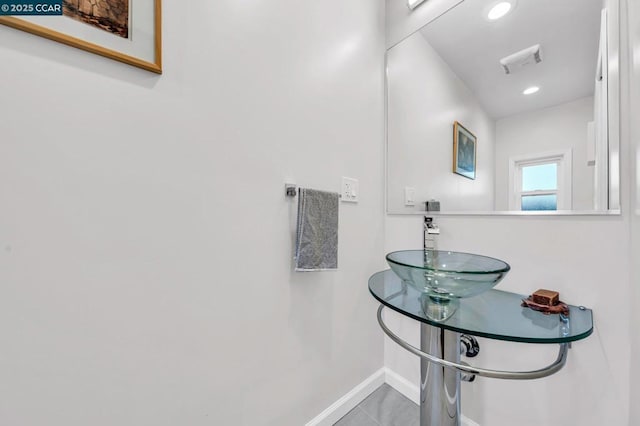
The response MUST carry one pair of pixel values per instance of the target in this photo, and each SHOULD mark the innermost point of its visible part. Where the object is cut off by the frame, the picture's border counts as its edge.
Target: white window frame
(561, 158)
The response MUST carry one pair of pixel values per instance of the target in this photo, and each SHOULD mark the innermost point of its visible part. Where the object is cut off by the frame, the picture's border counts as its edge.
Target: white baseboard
(466, 421)
(355, 396)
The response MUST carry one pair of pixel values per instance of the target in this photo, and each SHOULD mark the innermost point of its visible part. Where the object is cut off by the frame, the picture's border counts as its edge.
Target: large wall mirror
(506, 106)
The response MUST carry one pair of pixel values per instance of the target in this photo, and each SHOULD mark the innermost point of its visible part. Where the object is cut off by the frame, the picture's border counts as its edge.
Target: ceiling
(567, 30)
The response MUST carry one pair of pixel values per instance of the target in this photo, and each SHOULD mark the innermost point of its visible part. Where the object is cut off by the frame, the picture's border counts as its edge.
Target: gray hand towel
(317, 235)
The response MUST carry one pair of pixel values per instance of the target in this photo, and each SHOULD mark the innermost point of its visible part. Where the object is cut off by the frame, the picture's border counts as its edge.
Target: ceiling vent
(519, 60)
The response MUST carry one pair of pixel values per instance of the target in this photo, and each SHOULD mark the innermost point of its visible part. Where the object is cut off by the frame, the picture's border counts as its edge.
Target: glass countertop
(494, 314)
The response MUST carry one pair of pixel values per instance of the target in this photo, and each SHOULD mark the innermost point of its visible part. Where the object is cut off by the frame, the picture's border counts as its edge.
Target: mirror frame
(615, 207)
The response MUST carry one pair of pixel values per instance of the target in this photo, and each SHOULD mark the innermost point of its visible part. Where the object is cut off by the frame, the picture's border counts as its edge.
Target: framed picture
(124, 30)
(464, 151)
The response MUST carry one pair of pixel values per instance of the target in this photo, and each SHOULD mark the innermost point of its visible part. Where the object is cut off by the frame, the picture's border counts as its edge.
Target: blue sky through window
(540, 177)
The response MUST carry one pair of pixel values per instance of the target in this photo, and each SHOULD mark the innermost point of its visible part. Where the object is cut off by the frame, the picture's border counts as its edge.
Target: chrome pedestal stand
(439, 386)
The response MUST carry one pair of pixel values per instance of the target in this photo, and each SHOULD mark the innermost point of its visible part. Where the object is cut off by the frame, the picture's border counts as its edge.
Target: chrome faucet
(431, 232)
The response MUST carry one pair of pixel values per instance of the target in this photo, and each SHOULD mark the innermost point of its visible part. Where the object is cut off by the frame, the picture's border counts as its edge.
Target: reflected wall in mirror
(534, 87)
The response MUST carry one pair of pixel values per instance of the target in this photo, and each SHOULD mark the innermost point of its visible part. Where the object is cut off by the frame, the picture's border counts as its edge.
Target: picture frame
(464, 151)
(140, 46)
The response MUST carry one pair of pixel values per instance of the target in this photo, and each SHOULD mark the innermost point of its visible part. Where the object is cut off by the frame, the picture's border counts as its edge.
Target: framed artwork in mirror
(464, 151)
(123, 30)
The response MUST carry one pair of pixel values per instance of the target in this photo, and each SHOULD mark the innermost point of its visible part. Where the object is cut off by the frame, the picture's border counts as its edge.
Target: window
(539, 186)
(541, 182)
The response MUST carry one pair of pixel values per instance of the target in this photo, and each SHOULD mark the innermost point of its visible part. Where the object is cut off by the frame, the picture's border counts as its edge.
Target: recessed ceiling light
(530, 90)
(499, 10)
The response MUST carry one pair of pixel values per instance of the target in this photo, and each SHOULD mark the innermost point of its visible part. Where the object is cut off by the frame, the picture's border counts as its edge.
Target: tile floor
(384, 407)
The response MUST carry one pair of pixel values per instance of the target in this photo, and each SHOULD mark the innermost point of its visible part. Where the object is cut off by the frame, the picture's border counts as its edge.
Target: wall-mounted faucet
(431, 232)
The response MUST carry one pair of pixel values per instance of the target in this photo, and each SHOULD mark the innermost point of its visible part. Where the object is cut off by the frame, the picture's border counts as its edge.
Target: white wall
(557, 128)
(146, 242)
(425, 98)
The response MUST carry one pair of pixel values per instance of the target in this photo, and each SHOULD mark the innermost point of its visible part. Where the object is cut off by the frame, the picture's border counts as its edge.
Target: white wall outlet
(409, 196)
(350, 190)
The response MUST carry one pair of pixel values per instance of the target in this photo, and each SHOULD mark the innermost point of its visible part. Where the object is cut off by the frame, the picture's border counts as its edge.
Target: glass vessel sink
(445, 275)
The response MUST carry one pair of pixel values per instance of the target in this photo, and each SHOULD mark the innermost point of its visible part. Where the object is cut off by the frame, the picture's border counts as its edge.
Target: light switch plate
(409, 196)
(350, 190)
